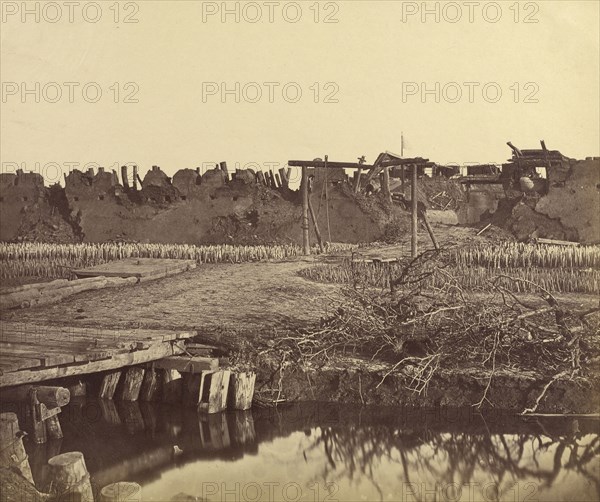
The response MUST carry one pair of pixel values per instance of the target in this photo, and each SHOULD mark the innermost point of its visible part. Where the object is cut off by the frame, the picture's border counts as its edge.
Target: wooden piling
(53, 428)
(150, 385)
(109, 384)
(124, 491)
(132, 384)
(12, 451)
(241, 390)
(213, 391)
(36, 423)
(69, 477)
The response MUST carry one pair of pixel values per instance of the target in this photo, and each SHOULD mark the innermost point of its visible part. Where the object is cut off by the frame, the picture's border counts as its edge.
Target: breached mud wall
(574, 199)
(19, 193)
(189, 209)
(30, 211)
(192, 208)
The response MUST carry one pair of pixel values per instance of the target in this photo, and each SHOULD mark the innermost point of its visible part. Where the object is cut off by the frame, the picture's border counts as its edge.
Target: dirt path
(229, 297)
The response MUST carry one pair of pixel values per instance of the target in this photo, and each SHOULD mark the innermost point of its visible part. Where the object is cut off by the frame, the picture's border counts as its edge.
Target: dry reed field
(558, 269)
(52, 261)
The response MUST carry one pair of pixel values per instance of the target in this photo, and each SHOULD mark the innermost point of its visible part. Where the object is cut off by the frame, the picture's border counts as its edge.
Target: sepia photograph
(299, 251)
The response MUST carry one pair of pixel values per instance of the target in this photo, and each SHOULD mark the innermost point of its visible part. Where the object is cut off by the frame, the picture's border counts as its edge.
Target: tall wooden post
(313, 217)
(358, 174)
(135, 178)
(386, 184)
(402, 178)
(304, 190)
(415, 222)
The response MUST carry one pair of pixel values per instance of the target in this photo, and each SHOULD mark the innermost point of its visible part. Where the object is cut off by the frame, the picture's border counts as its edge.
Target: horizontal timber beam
(355, 165)
(332, 165)
(153, 353)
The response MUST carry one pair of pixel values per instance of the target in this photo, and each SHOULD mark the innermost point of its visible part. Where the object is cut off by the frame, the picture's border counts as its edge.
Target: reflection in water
(328, 452)
(449, 461)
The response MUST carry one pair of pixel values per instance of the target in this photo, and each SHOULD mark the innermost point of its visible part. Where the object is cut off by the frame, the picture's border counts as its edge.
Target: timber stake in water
(12, 451)
(241, 390)
(69, 478)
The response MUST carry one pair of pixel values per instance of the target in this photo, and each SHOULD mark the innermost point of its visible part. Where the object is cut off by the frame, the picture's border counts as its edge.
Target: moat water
(327, 452)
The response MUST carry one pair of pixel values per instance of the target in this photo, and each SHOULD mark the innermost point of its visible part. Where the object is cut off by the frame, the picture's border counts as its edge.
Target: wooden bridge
(33, 353)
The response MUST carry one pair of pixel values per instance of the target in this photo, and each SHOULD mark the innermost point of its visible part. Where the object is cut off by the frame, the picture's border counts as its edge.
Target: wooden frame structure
(383, 163)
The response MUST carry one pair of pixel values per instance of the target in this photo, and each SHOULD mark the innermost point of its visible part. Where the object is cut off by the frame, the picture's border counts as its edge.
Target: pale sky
(368, 57)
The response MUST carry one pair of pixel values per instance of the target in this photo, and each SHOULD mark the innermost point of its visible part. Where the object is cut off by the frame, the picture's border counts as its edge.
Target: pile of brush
(420, 328)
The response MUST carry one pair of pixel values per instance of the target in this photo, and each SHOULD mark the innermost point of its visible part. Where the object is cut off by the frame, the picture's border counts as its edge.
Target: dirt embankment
(209, 208)
(247, 309)
(191, 209)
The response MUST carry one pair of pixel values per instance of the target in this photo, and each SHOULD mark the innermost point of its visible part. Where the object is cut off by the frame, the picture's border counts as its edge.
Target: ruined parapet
(22, 198)
(187, 182)
(157, 188)
(22, 188)
(214, 178)
(85, 187)
(245, 176)
(156, 177)
(104, 180)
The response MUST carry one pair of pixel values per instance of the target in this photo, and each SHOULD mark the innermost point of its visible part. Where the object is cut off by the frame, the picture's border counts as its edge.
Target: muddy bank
(247, 309)
(357, 382)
